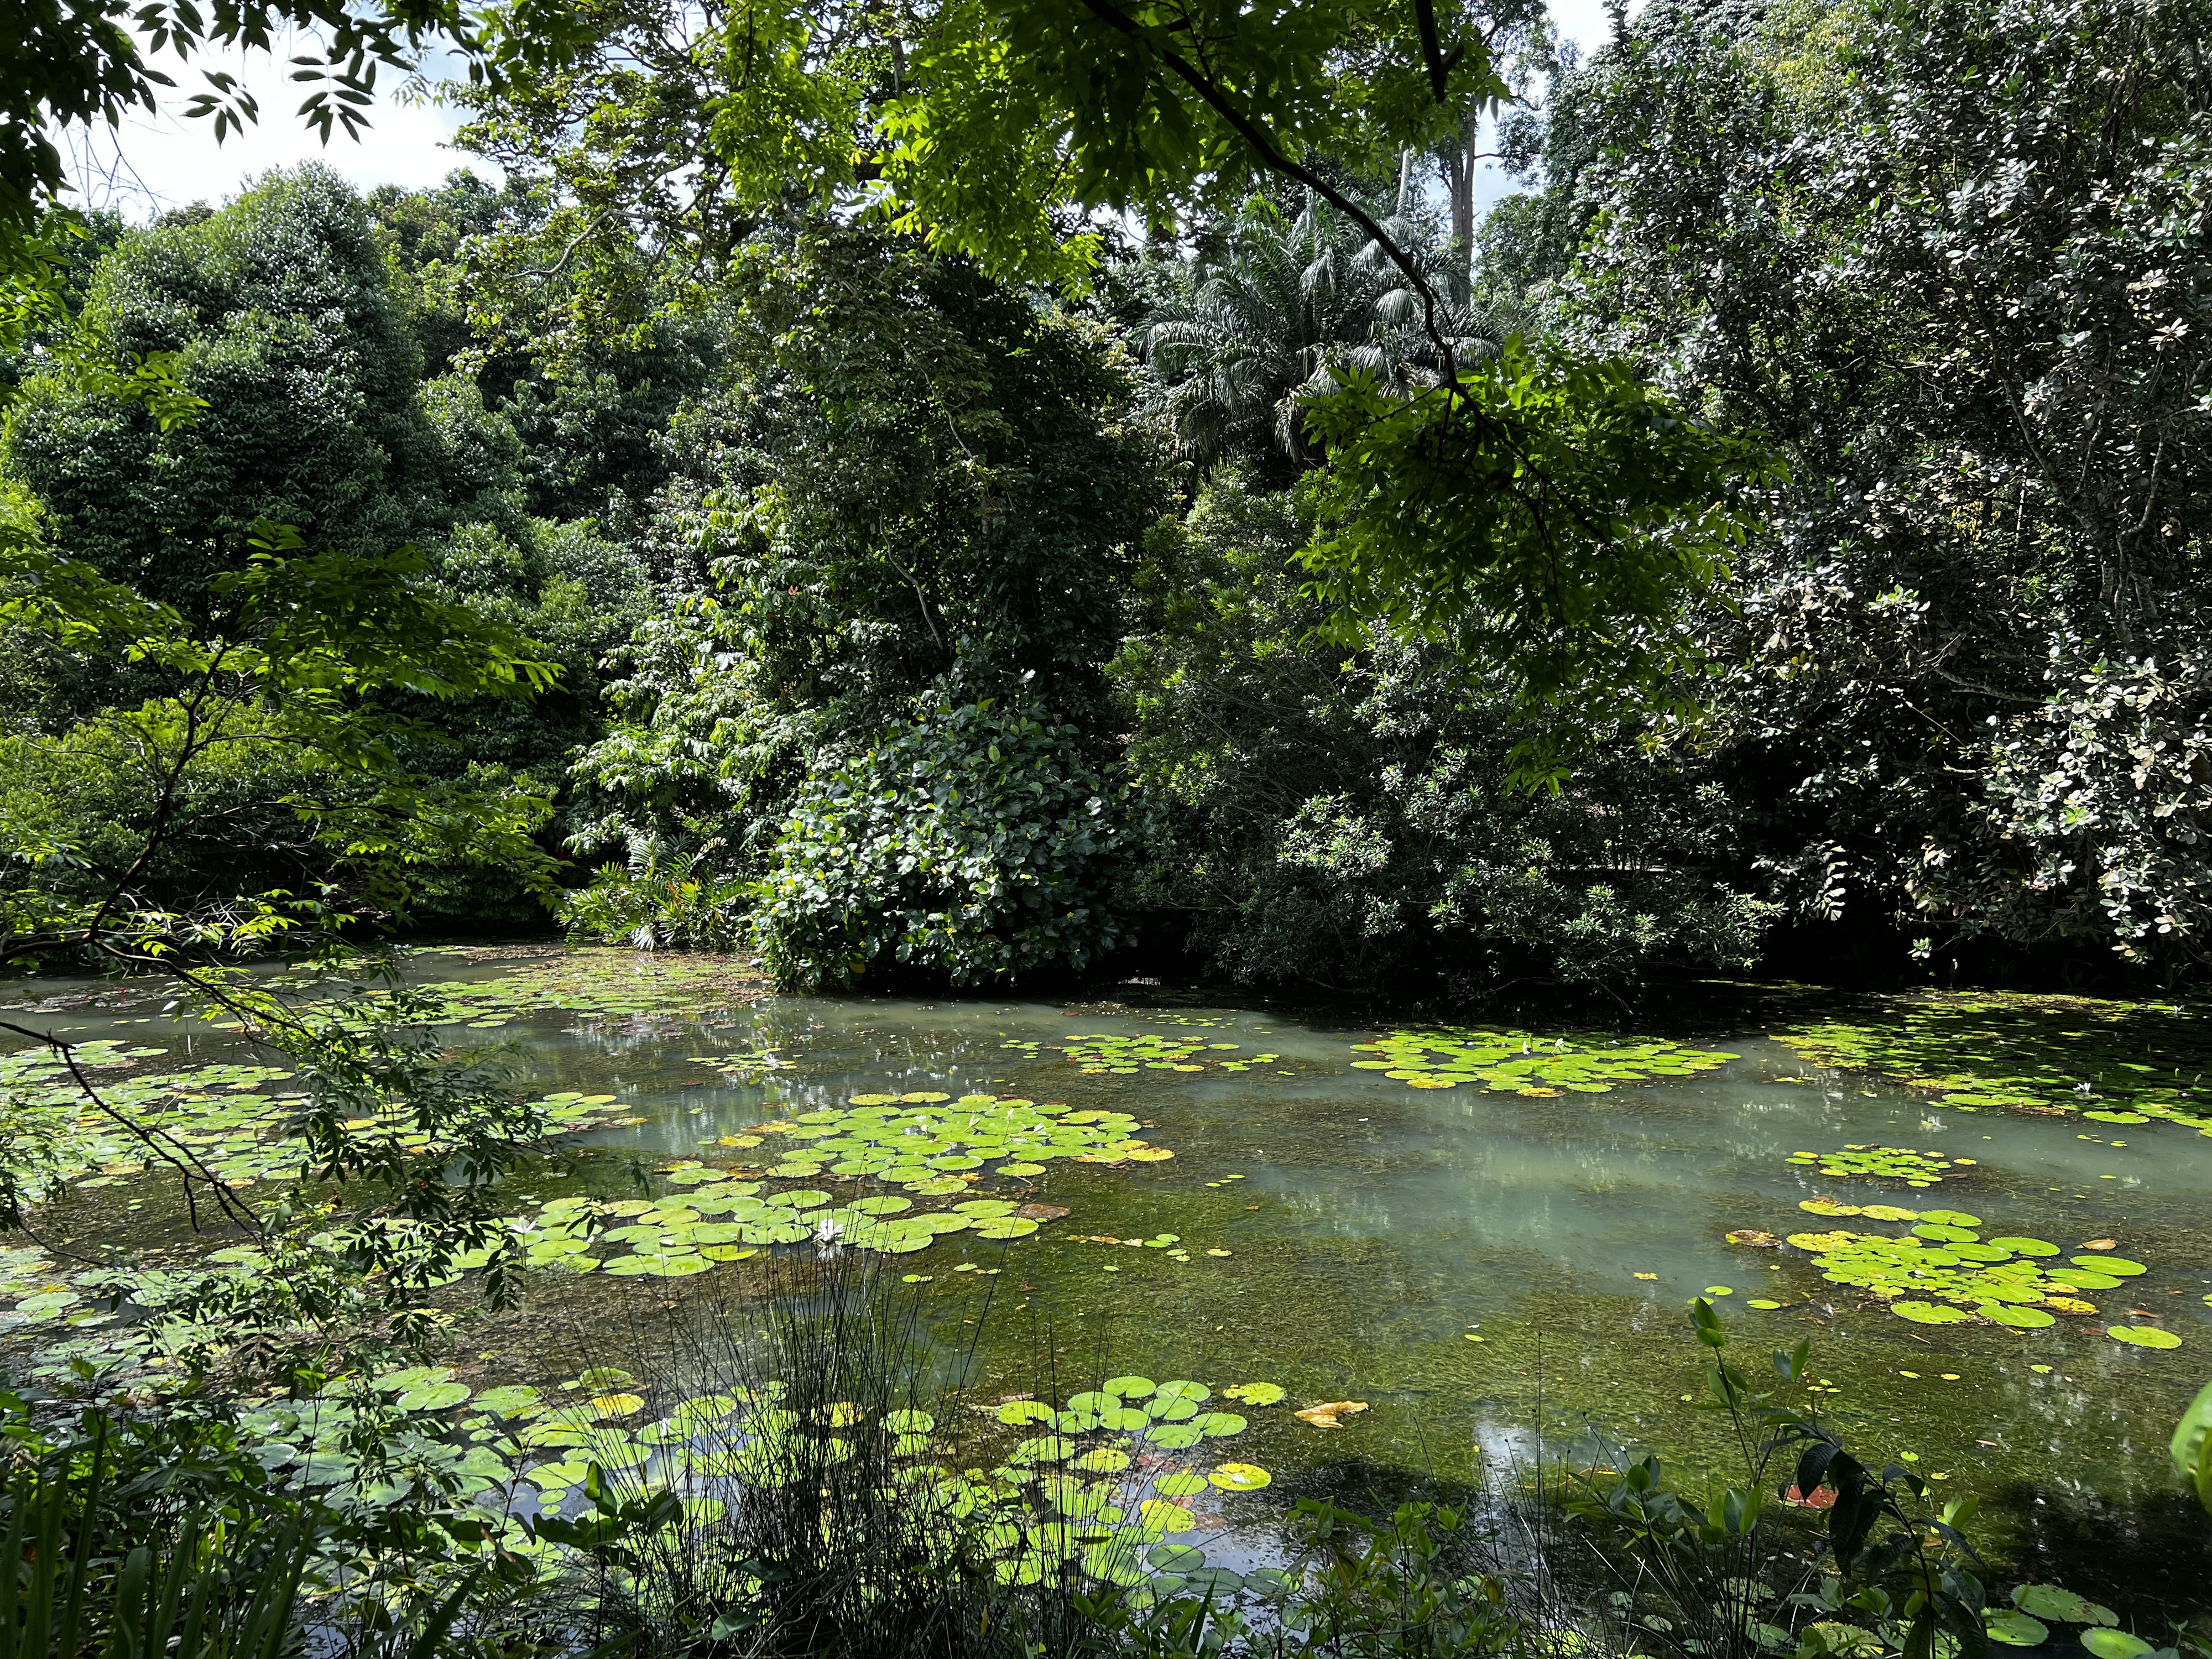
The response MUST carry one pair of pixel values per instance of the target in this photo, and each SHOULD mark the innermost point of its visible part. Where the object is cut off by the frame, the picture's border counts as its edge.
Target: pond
(1482, 1240)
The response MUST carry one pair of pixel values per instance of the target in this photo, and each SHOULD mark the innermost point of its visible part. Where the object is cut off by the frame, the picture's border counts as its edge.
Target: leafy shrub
(661, 900)
(1345, 817)
(977, 842)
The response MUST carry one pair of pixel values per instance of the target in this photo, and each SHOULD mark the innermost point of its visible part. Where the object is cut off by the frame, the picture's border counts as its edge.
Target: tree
(913, 502)
(1260, 332)
(277, 318)
(1945, 255)
(994, 131)
(1334, 815)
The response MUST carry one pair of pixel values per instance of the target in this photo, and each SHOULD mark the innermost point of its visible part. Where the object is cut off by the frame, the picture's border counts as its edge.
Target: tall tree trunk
(1459, 182)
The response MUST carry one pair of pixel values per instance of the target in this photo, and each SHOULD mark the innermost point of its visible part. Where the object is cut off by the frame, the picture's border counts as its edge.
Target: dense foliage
(915, 492)
(1344, 819)
(1286, 561)
(1952, 258)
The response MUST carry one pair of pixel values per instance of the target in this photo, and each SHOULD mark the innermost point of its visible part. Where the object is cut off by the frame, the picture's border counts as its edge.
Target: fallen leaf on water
(2102, 1244)
(1324, 1416)
(1754, 1237)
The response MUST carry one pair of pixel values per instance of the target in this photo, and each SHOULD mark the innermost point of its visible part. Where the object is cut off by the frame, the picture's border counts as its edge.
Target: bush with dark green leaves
(977, 843)
(1344, 818)
(916, 490)
(1950, 256)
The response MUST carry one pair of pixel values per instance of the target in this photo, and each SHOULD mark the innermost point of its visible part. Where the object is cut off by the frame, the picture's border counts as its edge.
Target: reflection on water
(1482, 1267)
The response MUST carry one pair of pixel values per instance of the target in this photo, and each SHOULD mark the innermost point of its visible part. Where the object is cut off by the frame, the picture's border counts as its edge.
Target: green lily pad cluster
(1836, 1206)
(29, 1279)
(1944, 1273)
(1108, 1054)
(2112, 1062)
(1879, 1162)
(227, 1116)
(733, 1221)
(2022, 1623)
(1133, 1413)
(512, 1451)
(930, 1143)
(1444, 1056)
(676, 1238)
(597, 980)
(747, 1066)
(37, 1064)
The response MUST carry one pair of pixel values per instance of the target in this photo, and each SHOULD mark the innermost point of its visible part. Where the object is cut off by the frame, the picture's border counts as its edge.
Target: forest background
(888, 610)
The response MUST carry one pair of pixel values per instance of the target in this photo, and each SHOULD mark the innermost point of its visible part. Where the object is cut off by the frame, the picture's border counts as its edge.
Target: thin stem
(159, 1142)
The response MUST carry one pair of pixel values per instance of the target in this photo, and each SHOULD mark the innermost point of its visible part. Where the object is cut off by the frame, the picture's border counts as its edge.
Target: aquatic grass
(827, 1509)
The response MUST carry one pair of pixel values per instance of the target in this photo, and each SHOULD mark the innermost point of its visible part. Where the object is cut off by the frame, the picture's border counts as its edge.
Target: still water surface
(1478, 1267)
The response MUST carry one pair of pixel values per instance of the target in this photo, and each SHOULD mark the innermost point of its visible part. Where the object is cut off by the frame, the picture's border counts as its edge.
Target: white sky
(166, 160)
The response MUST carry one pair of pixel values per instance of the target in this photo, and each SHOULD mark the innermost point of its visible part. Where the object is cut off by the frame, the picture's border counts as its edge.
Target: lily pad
(2142, 1336)
(1255, 1393)
(2048, 1056)
(2016, 1629)
(433, 1397)
(1241, 1476)
(2112, 1267)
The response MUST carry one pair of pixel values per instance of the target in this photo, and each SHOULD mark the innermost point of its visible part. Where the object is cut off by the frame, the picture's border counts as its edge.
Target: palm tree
(1254, 334)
